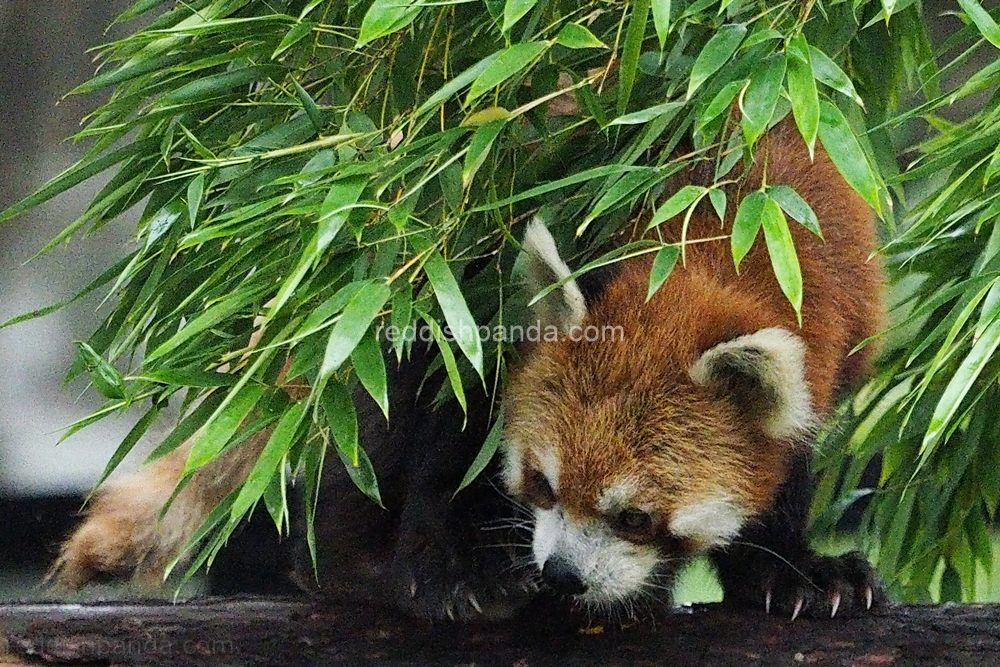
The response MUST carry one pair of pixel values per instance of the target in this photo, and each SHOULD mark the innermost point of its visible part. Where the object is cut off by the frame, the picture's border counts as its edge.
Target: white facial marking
(548, 465)
(711, 521)
(512, 469)
(619, 494)
(784, 370)
(612, 568)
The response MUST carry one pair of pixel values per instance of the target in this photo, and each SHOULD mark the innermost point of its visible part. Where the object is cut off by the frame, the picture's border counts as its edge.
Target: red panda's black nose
(562, 577)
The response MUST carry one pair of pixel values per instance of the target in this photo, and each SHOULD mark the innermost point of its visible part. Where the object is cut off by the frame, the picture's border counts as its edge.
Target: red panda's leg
(771, 566)
(123, 535)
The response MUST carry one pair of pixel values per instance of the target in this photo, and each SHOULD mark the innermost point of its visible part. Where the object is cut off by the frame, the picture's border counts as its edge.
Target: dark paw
(439, 582)
(814, 585)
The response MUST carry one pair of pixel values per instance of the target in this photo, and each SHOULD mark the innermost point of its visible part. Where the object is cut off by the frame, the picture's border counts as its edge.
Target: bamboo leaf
(749, 217)
(802, 90)
(575, 36)
(105, 377)
(513, 10)
(797, 207)
(510, 61)
(830, 74)
(271, 458)
(456, 312)
(369, 364)
(679, 202)
(385, 17)
(358, 315)
(781, 248)
(717, 52)
(987, 26)
(663, 265)
(661, 20)
(630, 53)
(761, 96)
(485, 455)
(846, 153)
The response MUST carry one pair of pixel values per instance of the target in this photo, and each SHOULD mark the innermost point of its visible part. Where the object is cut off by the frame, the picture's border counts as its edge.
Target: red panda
(689, 431)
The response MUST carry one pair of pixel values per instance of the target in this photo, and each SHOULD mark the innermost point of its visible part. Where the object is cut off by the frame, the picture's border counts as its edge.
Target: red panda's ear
(564, 307)
(764, 374)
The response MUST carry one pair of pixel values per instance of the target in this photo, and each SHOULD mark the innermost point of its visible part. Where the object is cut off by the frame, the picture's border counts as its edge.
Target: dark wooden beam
(270, 631)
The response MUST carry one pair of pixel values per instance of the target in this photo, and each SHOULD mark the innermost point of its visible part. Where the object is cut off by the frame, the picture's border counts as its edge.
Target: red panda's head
(648, 444)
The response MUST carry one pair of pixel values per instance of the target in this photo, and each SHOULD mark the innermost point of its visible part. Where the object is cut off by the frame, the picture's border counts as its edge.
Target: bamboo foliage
(310, 172)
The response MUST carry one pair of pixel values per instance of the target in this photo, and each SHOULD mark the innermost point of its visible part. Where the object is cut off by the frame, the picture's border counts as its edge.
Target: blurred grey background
(44, 54)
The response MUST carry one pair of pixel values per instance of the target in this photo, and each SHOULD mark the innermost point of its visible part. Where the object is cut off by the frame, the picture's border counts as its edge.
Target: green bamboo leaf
(802, 90)
(445, 92)
(385, 17)
(846, 153)
(511, 60)
(103, 279)
(363, 475)
(195, 191)
(661, 20)
(126, 446)
(513, 10)
(358, 315)
(219, 312)
(369, 364)
(105, 377)
(188, 377)
(479, 149)
(720, 103)
(717, 52)
(718, 198)
(341, 416)
(761, 96)
(795, 206)
(333, 214)
(485, 455)
(575, 36)
(663, 266)
(677, 203)
(293, 37)
(648, 114)
(830, 74)
(634, 35)
(456, 311)
(958, 387)
(78, 173)
(450, 365)
(749, 217)
(214, 85)
(987, 26)
(269, 461)
(222, 425)
(781, 248)
(402, 312)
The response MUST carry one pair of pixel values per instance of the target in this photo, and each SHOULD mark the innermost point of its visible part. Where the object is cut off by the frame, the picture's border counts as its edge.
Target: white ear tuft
(764, 373)
(564, 307)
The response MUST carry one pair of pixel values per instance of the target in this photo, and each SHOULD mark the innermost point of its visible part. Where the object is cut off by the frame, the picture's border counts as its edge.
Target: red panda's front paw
(816, 586)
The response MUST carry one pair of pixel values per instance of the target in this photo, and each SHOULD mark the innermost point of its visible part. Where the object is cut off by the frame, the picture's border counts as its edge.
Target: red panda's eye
(538, 491)
(634, 522)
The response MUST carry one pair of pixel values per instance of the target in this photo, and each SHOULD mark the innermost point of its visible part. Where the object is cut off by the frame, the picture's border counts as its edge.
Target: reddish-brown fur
(630, 408)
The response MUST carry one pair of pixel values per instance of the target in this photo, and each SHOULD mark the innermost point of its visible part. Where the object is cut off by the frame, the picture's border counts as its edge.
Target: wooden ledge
(272, 631)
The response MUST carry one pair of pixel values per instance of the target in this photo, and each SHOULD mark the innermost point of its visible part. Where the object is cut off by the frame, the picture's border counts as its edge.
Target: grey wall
(43, 55)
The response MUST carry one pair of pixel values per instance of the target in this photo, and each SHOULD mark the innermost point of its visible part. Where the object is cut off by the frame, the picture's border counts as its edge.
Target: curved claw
(475, 603)
(767, 601)
(834, 604)
(869, 594)
(798, 608)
